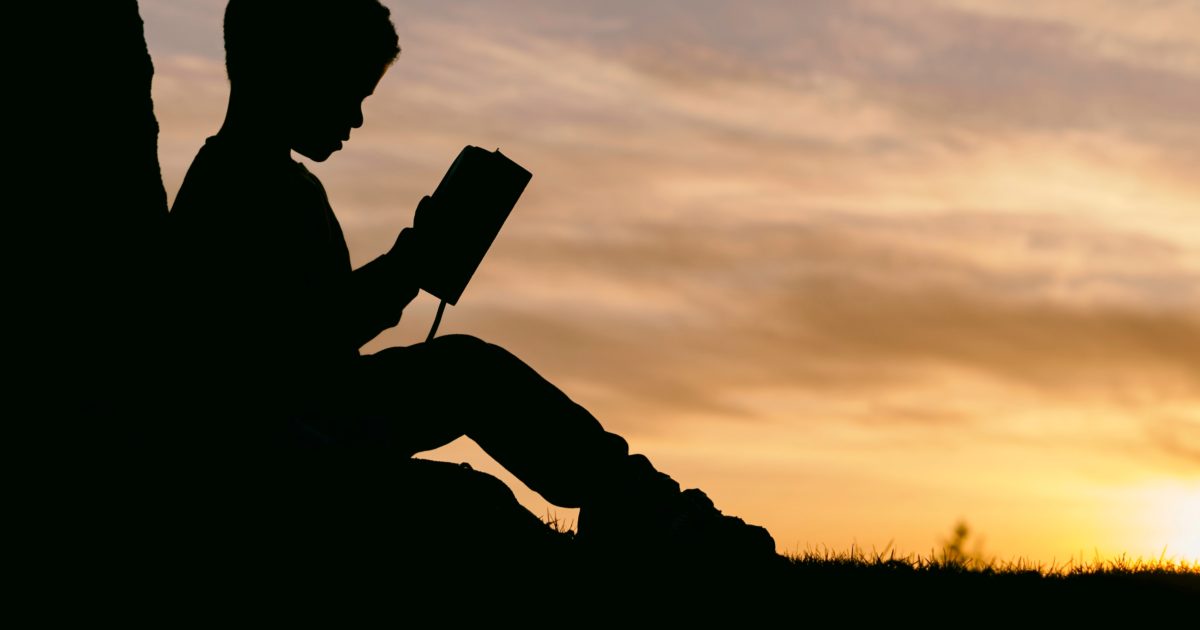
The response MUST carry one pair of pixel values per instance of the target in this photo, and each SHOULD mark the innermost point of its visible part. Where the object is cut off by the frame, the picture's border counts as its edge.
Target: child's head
(307, 65)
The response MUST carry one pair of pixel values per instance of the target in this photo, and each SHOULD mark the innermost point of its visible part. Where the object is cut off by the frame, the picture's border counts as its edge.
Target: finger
(423, 208)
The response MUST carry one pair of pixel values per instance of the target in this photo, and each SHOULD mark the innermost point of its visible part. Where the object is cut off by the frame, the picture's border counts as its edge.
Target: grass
(949, 580)
(954, 557)
(949, 560)
(871, 582)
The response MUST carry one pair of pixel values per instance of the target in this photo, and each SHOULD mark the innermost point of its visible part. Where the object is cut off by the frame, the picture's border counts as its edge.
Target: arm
(379, 290)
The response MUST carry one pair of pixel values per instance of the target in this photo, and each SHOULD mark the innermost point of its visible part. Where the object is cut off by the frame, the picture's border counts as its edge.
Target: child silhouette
(270, 315)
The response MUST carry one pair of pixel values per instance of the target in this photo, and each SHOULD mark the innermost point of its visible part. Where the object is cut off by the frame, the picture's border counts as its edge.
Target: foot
(646, 516)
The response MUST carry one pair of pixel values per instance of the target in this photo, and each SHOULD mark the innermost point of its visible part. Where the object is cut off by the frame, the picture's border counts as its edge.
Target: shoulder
(225, 181)
(215, 174)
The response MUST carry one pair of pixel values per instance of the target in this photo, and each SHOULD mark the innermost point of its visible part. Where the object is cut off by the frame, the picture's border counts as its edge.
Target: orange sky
(857, 270)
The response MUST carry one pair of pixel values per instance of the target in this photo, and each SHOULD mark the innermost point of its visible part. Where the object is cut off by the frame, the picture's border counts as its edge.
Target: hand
(408, 244)
(408, 252)
(425, 210)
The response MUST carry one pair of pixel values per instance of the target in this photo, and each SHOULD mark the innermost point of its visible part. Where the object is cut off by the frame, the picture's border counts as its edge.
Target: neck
(248, 122)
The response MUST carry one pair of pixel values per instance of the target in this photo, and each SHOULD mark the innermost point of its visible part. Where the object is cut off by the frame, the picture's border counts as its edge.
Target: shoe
(646, 517)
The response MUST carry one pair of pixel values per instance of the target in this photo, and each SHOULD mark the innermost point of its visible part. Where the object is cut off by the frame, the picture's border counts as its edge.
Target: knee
(457, 341)
(461, 345)
(471, 350)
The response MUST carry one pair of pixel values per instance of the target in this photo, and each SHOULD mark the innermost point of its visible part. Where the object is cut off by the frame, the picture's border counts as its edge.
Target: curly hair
(266, 40)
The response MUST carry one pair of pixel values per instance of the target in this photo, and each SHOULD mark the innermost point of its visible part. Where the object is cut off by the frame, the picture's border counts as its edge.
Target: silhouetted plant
(955, 552)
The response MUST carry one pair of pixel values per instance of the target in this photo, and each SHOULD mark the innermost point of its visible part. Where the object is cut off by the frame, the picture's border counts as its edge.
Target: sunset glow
(860, 270)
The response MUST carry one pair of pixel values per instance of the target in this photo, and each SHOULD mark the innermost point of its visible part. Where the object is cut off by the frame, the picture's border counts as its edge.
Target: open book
(471, 203)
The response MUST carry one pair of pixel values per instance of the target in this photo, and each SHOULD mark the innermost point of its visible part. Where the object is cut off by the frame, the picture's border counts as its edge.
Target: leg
(424, 396)
(429, 394)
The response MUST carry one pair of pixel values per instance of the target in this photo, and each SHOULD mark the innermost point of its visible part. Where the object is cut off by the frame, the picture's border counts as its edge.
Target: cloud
(701, 119)
(1161, 35)
(853, 200)
(685, 320)
(805, 251)
(1177, 434)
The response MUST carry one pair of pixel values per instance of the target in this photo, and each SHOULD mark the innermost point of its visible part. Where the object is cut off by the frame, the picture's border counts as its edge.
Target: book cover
(472, 203)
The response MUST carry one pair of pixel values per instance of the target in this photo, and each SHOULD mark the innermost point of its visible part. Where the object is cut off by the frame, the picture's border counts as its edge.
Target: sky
(858, 269)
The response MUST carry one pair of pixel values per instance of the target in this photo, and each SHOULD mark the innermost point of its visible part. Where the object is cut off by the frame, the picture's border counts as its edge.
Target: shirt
(268, 307)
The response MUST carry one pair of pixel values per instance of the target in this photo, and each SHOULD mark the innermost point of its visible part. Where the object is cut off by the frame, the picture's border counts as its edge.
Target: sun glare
(1175, 510)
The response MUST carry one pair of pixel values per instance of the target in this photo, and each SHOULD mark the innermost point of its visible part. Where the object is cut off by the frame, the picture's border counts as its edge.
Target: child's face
(325, 109)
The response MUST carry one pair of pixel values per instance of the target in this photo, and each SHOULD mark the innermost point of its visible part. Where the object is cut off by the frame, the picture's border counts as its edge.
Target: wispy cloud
(1158, 35)
(957, 231)
(851, 306)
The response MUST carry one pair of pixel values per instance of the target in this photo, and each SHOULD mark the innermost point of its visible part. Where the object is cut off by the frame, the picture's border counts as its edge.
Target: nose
(356, 118)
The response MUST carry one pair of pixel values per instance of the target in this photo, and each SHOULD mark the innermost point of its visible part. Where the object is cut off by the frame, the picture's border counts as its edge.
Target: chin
(318, 154)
